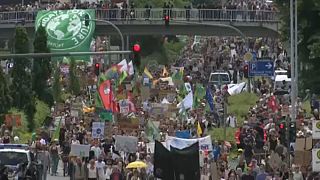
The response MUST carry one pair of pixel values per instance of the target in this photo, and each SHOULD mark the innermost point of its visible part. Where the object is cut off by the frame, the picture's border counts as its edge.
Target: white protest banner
(124, 106)
(57, 121)
(128, 144)
(205, 143)
(98, 129)
(315, 129)
(316, 160)
(151, 145)
(80, 150)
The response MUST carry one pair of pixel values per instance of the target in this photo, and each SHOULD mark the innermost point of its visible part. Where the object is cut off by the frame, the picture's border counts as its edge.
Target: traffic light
(292, 132)
(246, 71)
(97, 69)
(166, 20)
(282, 132)
(136, 55)
(86, 20)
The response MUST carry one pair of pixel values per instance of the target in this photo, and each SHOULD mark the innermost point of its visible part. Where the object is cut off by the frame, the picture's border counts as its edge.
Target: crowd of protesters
(258, 138)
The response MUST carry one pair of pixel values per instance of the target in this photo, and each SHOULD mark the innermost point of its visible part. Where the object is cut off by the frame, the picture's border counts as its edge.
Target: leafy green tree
(41, 67)
(56, 87)
(308, 38)
(74, 79)
(5, 98)
(21, 86)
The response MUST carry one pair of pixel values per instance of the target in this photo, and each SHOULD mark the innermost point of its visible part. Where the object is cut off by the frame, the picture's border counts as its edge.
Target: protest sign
(80, 150)
(124, 106)
(57, 121)
(128, 144)
(145, 93)
(13, 120)
(98, 129)
(316, 160)
(205, 143)
(316, 129)
(74, 112)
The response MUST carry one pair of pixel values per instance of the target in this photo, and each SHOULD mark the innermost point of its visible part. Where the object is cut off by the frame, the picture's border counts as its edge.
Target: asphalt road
(60, 174)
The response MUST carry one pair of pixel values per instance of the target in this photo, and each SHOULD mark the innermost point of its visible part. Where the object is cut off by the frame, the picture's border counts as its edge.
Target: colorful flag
(178, 75)
(112, 73)
(209, 99)
(123, 66)
(105, 92)
(199, 130)
(147, 73)
(123, 76)
(130, 68)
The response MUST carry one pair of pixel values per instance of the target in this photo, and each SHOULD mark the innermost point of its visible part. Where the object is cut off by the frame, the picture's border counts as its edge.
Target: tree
(5, 98)
(74, 79)
(308, 38)
(21, 86)
(56, 87)
(41, 67)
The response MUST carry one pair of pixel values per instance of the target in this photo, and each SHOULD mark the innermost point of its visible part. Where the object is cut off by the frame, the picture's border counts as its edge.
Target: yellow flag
(199, 130)
(147, 73)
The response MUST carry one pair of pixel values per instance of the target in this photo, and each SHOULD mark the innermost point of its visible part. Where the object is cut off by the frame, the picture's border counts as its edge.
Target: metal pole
(116, 28)
(32, 55)
(296, 48)
(293, 112)
(292, 63)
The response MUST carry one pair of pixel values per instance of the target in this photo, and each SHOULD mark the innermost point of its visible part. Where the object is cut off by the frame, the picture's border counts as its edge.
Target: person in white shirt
(108, 172)
(100, 168)
(297, 174)
(92, 170)
(97, 150)
(232, 121)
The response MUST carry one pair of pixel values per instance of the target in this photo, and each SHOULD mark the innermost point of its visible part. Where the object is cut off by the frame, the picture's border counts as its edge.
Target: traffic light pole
(59, 54)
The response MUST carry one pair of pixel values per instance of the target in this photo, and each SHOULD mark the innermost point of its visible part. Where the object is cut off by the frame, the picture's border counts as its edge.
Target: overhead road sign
(261, 68)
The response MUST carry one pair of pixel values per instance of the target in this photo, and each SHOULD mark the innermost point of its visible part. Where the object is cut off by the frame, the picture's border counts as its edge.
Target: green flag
(67, 30)
(57, 131)
(152, 131)
(123, 76)
(105, 116)
(198, 95)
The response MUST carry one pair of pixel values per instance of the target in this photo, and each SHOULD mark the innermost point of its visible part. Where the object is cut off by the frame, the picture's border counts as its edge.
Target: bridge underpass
(209, 22)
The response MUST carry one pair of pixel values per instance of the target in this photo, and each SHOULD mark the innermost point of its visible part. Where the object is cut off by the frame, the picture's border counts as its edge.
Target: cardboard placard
(13, 120)
(145, 93)
(80, 150)
(316, 129)
(300, 144)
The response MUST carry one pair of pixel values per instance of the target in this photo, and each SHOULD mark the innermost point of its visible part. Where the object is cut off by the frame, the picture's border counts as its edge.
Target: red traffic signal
(246, 71)
(97, 69)
(136, 48)
(166, 20)
(281, 126)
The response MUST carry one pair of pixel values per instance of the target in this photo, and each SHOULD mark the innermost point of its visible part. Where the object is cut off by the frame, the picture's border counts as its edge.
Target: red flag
(105, 92)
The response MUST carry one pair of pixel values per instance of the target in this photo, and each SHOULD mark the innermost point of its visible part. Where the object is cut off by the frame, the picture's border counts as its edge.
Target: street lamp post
(114, 26)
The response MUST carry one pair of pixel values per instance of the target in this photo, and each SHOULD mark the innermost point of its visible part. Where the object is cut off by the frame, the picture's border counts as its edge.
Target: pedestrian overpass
(206, 22)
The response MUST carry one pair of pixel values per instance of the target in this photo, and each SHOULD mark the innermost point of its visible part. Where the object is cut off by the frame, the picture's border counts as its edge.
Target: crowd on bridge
(233, 11)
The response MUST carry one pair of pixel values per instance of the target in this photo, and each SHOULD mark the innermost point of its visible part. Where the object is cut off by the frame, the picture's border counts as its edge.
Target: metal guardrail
(158, 14)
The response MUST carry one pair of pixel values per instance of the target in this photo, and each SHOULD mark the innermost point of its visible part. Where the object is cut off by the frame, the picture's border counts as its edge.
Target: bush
(240, 104)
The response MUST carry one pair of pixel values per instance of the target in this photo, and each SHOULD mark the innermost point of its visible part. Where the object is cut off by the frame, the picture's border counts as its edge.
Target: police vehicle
(19, 161)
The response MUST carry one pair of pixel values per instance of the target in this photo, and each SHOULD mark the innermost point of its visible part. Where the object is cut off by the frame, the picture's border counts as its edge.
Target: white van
(282, 82)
